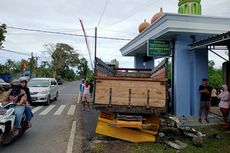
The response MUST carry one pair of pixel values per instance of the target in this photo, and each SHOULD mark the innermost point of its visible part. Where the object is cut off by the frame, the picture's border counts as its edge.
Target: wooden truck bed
(133, 92)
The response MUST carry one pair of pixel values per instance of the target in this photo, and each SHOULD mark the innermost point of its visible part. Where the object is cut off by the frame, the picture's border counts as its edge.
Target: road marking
(47, 110)
(36, 109)
(60, 109)
(79, 96)
(71, 138)
(71, 110)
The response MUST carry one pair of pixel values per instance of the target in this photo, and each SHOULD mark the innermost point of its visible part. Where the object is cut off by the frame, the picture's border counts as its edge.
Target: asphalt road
(58, 128)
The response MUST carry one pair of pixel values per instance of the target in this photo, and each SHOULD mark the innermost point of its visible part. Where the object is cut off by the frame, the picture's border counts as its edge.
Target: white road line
(71, 138)
(79, 96)
(47, 110)
(60, 109)
(71, 110)
(36, 109)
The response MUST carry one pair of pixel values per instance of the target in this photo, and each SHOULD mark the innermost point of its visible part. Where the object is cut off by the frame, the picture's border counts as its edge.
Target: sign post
(158, 48)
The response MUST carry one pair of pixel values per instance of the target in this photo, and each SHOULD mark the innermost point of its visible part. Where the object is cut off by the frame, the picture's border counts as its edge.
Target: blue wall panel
(182, 76)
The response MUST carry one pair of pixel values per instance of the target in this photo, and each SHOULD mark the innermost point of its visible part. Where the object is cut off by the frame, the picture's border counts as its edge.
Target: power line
(103, 12)
(103, 29)
(12, 51)
(136, 12)
(63, 33)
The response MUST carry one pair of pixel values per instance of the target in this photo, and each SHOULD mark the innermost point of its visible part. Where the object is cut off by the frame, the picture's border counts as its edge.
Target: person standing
(82, 84)
(224, 97)
(205, 97)
(91, 83)
(86, 97)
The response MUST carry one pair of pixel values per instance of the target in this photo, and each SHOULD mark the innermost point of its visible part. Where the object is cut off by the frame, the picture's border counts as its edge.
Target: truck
(129, 101)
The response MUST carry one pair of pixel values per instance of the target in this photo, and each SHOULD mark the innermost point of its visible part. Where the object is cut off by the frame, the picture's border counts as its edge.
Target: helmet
(23, 80)
(15, 84)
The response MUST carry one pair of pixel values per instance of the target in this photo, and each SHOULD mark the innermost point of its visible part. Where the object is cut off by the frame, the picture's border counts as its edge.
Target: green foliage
(2, 32)
(44, 70)
(68, 74)
(89, 75)
(11, 67)
(214, 75)
(83, 68)
(116, 62)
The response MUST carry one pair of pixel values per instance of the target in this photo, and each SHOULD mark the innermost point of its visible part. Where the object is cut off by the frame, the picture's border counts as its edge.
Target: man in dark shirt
(205, 96)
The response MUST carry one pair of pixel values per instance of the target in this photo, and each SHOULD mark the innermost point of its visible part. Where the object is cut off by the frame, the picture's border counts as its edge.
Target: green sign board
(158, 48)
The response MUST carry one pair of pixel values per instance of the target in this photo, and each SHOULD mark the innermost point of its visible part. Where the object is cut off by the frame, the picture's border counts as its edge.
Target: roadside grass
(99, 148)
(210, 145)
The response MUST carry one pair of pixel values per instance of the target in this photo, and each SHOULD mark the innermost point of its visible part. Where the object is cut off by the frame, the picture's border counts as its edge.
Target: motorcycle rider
(17, 96)
(28, 111)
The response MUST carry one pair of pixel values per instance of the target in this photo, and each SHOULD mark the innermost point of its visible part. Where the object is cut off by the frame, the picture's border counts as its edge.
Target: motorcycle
(7, 119)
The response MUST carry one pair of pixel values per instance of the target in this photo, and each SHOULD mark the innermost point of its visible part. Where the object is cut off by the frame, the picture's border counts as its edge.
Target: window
(38, 83)
(53, 83)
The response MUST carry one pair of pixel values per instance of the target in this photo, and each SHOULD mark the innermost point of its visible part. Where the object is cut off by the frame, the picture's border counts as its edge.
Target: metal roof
(218, 40)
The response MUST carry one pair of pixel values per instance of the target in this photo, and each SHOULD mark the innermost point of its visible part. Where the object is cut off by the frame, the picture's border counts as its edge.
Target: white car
(43, 90)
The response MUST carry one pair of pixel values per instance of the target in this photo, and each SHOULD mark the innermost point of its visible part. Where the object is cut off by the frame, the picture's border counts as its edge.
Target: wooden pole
(95, 64)
(95, 49)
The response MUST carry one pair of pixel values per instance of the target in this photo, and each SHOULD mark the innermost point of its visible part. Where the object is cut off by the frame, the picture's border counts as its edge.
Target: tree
(11, 67)
(83, 68)
(2, 32)
(214, 75)
(68, 74)
(44, 70)
(62, 55)
(115, 62)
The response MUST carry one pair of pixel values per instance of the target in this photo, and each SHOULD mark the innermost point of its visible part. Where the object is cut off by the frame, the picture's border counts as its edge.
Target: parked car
(4, 84)
(43, 90)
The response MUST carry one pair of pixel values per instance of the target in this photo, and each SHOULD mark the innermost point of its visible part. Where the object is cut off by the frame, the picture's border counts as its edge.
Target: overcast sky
(121, 19)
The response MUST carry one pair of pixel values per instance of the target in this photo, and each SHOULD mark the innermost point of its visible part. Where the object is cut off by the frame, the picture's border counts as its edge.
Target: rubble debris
(191, 132)
(197, 141)
(170, 121)
(161, 135)
(170, 131)
(215, 137)
(176, 144)
(171, 127)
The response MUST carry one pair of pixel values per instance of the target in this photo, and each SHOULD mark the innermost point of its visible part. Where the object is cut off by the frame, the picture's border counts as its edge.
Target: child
(86, 97)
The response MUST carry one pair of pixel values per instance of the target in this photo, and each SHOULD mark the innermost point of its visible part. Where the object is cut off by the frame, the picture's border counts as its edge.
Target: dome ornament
(157, 16)
(143, 26)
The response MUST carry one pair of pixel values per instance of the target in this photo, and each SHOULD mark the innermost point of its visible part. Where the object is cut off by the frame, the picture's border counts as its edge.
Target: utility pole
(95, 63)
(36, 66)
(31, 64)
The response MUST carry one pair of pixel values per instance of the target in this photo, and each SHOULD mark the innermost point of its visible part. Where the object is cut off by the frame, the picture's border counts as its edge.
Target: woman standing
(86, 97)
(224, 97)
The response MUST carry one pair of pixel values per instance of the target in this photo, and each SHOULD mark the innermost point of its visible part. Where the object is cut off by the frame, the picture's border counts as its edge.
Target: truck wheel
(48, 101)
